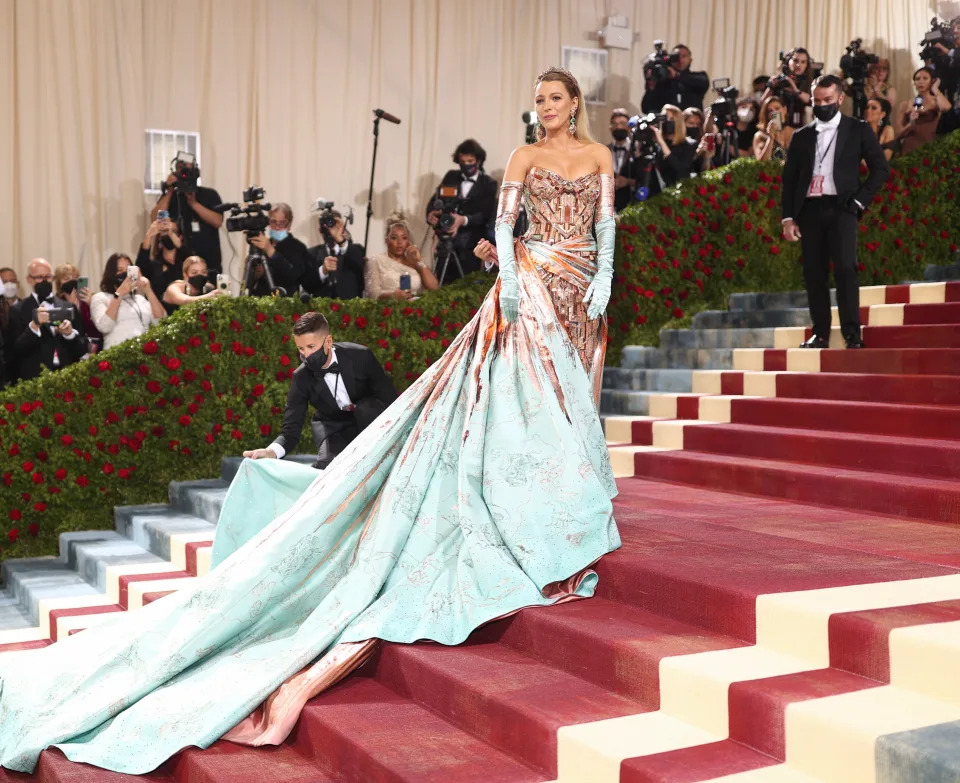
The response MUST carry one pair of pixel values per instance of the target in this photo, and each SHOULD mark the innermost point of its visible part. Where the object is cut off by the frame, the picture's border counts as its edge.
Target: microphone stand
(373, 167)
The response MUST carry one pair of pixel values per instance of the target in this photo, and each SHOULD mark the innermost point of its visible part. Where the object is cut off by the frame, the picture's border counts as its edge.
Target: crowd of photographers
(680, 135)
(61, 319)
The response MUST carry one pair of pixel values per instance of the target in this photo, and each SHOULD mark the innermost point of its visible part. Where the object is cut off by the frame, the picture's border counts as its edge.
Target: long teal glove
(598, 292)
(509, 287)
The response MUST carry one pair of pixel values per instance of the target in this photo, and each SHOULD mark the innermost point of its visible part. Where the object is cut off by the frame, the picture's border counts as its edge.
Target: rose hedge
(690, 248)
(212, 379)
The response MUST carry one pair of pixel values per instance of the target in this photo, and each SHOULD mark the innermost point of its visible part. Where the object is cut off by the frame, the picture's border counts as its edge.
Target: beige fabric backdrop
(281, 93)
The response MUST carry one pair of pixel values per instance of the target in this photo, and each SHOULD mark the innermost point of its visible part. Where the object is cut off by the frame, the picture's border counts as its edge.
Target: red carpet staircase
(785, 607)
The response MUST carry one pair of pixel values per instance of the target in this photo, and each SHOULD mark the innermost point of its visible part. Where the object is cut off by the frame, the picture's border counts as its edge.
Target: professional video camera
(780, 86)
(940, 33)
(855, 64)
(187, 173)
(252, 218)
(530, 119)
(657, 63)
(724, 108)
(446, 203)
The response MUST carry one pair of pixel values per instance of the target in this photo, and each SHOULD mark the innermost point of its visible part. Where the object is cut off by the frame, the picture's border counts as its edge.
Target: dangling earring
(572, 128)
(539, 131)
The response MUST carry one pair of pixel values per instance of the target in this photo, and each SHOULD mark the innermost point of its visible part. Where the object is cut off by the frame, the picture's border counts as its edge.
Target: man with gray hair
(286, 255)
(49, 329)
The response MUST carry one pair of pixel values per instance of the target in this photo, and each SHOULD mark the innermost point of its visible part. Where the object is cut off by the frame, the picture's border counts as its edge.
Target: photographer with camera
(49, 329)
(675, 154)
(335, 269)
(126, 305)
(286, 256)
(464, 204)
(191, 207)
(855, 66)
(669, 79)
(400, 272)
(941, 54)
(193, 286)
(793, 86)
(161, 255)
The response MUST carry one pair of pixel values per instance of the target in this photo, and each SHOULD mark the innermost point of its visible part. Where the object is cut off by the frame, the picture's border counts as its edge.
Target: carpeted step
(225, 762)
(876, 337)
(54, 767)
(367, 732)
(897, 455)
(936, 500)
(488, 690)
(694, 764)
(880, 361)
(610, 644)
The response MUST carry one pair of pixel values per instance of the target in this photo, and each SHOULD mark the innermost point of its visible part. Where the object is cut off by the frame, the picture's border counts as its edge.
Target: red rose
(37, 478)
(104, 366)
(33, 528)
(218, 428)
(40, 507)
(107, 468)
(154, 387)
(13, 535)
(60, 475)
(185, 420)
(27, 466)
(174, 380)
(394, 333)
(215, 347)
(265, 429)
(278, 318)
(173, 363)
(95, 382)
(774, 250)
(388, 366)
(346, 319)
(335, 307)
(195, 342)
(150, 347)
(81, 481)
(361, 322)
(258, 390)
(677, 312)
(285, 360)
(123, 473)
(10, 406)
(641, 319)
(386, 311)
(261, 317)
(236, 435)
(235, 325)
(209, 437)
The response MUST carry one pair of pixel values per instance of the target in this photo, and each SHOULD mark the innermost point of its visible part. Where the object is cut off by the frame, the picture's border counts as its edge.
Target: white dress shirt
(337, 388)
(825, 153)
(467, 183)
(621, 153)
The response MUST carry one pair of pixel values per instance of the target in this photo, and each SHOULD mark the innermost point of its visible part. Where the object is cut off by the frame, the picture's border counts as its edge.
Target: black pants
(335, 436)
(828, 233)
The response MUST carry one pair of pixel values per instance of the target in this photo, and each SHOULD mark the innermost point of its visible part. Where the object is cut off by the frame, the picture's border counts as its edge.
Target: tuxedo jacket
(360, 373)
(347, 283)
(479, 207)
(628, 168)
(855, 141)
(33, 353)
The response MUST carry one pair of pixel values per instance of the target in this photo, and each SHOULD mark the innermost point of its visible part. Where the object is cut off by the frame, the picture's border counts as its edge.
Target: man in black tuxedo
(624, 167)
(41, 341)
(335, 268)
(823, 198)
(476, 196)
(343, 381)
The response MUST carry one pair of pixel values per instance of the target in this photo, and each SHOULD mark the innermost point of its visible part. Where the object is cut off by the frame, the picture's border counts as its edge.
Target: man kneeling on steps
(345, 384)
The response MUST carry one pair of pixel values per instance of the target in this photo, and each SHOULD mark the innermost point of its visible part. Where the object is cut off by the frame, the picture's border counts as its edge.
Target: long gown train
(486, 487)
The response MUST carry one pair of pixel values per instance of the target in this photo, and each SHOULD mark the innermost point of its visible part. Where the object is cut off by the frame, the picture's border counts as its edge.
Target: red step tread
(366, 732)
(226, 762)
(907, 361)
(914, 389)
(695, 764)
(920, 498)
(878, 453)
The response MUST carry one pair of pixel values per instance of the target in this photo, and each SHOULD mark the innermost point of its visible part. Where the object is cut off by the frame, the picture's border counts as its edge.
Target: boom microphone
(221, 208)
(386, 116)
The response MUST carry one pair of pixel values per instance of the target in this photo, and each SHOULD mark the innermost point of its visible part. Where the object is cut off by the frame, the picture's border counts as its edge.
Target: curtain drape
(282, 92)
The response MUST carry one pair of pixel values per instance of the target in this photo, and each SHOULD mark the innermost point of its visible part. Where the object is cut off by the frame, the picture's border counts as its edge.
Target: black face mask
(468, 170)
(619, 134)
(197, 281)
(826, 112)
(316, 360)
(668, 128)
(43, 289)
(70, 286)
(694, 133)
(167, 242)
(118, 280)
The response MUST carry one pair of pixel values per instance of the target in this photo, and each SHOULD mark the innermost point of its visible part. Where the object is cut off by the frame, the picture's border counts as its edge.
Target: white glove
(598, 292)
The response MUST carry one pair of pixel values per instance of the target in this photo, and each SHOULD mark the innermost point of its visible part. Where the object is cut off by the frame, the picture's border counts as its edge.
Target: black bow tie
(469, 179)
(334, 368)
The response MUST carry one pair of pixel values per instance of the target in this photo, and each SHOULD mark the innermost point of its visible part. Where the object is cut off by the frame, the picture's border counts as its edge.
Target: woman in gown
(485, 488)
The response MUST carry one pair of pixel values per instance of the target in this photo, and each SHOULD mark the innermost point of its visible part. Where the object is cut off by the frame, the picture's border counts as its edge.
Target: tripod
(445, 253)
(728, 143)
(256, 259)
(858, 94)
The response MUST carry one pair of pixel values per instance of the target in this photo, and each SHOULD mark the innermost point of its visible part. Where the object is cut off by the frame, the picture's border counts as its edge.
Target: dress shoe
(854, 342)
(815, 342)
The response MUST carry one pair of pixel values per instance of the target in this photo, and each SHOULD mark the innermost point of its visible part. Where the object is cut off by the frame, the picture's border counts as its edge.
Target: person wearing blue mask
(343, 381)
(286, 255)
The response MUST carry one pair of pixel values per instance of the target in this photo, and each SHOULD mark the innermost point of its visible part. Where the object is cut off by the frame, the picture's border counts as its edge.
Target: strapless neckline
(561, 178)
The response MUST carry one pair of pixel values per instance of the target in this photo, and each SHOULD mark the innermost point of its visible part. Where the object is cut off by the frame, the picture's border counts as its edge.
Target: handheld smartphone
(777, 120)
(223, 283)
(133, 272)
(84, 282)
(58, 314)
(404, 282)
(710, 141)
(163, 214)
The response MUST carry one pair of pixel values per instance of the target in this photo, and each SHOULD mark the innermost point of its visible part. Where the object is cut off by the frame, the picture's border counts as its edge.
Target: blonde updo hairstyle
(569, 81)
(395, 220)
